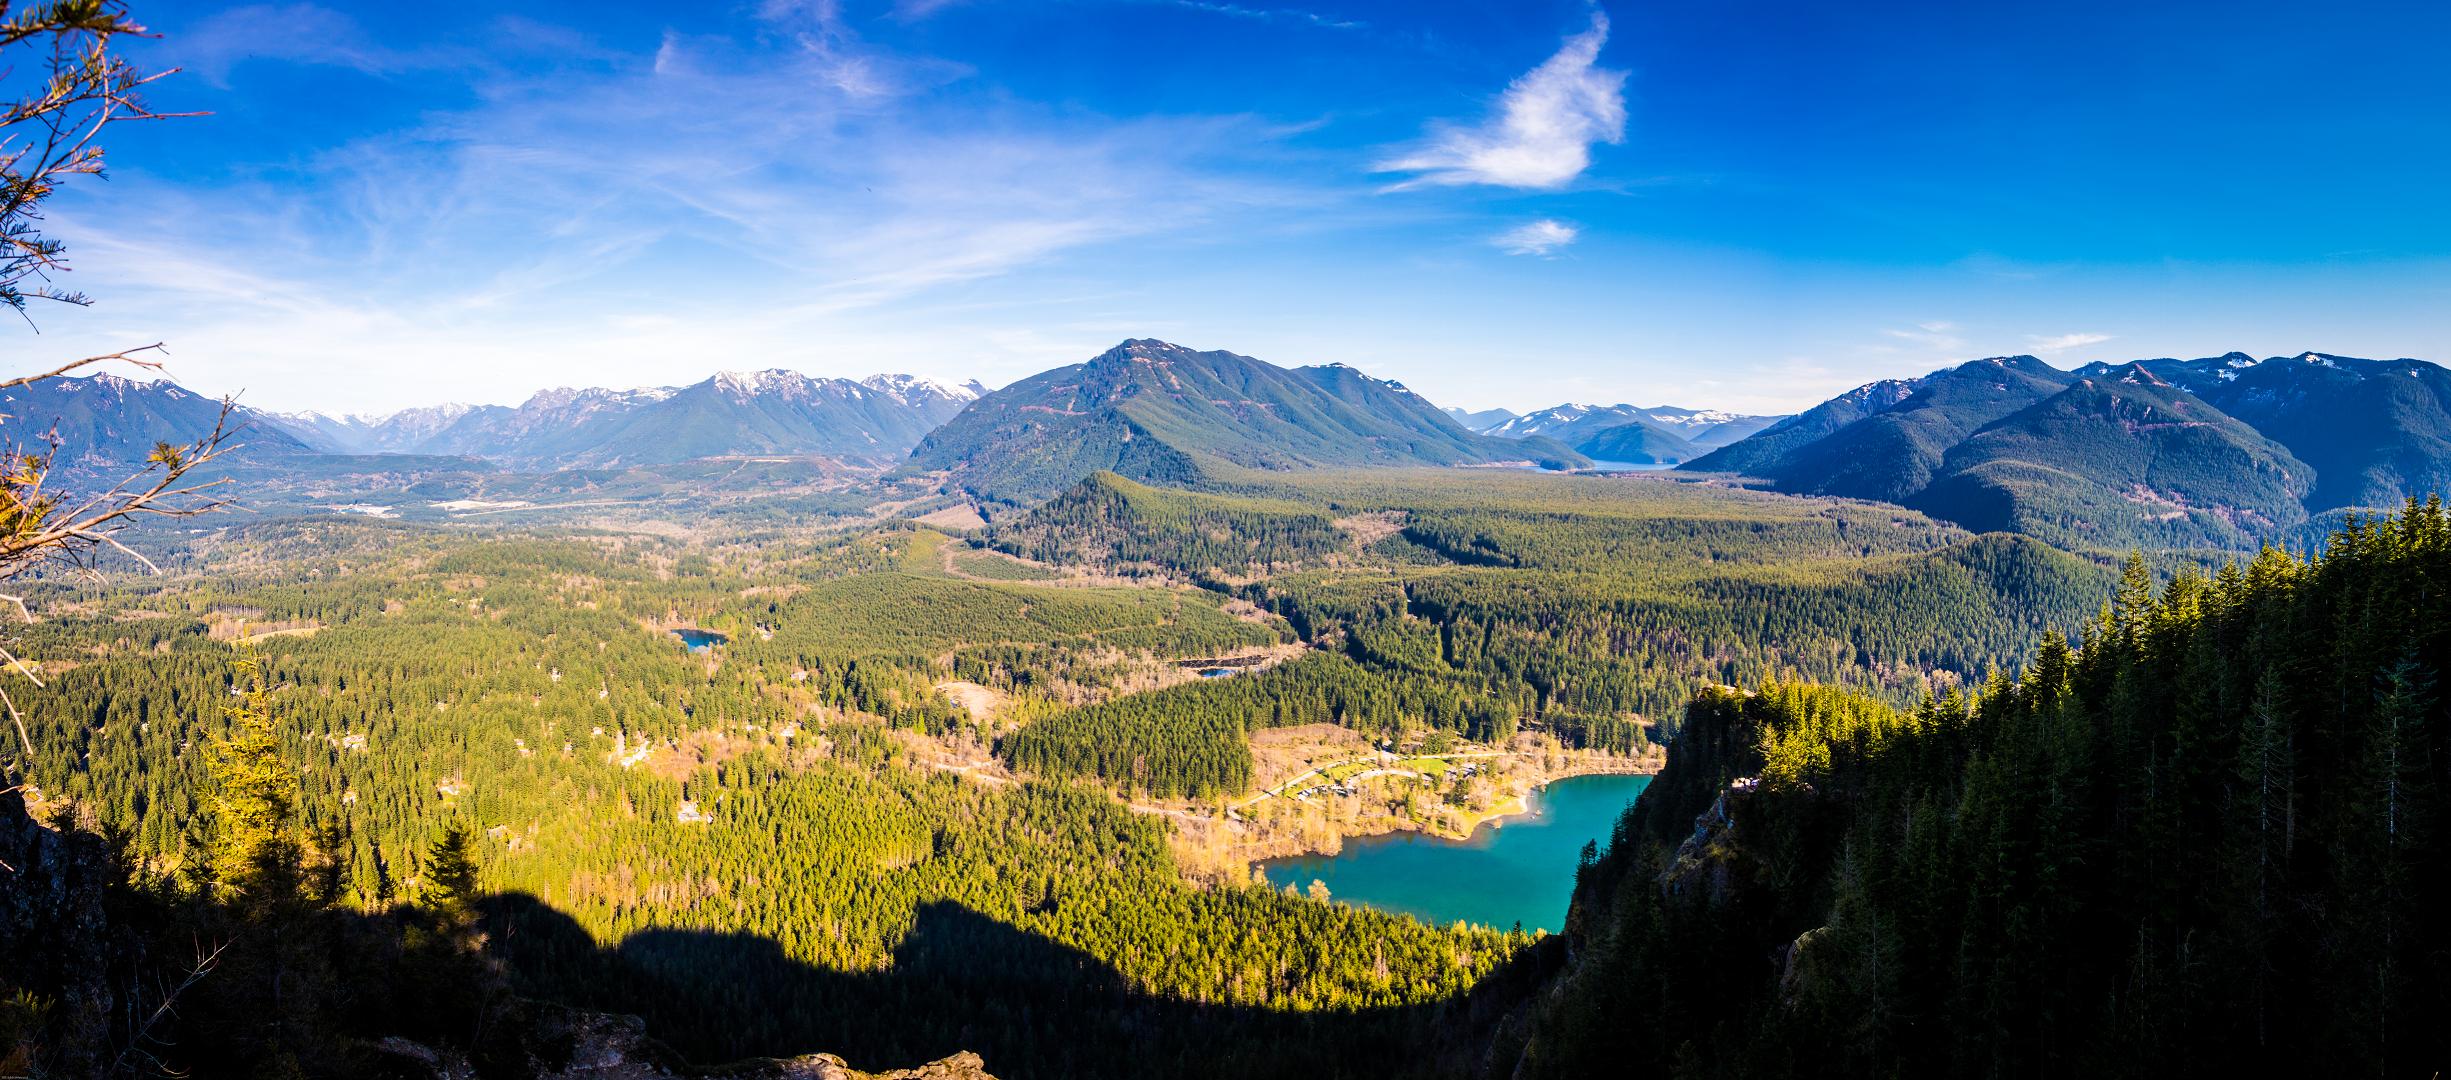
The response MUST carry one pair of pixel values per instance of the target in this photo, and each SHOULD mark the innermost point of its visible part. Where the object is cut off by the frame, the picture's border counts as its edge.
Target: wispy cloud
(1542, 134)
(1541, 237)
(915, 10)
(2064, 342)
(295, 33)
(1294, 15)
(641, 216)
(1934, 336)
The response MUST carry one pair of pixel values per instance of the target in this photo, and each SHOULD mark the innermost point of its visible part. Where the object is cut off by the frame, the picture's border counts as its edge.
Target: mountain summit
(2224, 451)
(1155, 411)
(1665, 434)
(875, 420)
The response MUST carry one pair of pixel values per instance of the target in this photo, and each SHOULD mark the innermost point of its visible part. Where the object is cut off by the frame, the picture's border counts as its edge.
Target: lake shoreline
(1331, 841)
(1503, 876)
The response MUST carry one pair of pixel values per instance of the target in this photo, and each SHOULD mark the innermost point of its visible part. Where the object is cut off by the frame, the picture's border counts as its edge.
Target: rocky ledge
(553, 1043)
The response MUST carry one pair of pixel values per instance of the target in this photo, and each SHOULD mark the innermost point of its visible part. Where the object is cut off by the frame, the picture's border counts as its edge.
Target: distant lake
(699, 640)
(1520, 870)
(1630, 466)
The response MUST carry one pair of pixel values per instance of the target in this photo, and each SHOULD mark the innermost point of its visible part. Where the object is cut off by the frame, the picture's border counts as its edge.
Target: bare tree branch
(127, 355)
(79, 87)
(204, 965)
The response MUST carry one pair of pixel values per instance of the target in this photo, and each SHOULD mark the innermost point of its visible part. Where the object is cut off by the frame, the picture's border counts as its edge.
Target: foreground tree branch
(65, 85)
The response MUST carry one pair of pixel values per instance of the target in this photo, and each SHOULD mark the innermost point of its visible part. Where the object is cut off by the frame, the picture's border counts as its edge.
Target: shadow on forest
(74, 933)
(963, 981)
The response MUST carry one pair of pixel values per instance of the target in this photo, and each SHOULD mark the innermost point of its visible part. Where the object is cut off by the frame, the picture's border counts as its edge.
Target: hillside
(2225, 451)
(2118, 460)
(2376, 432)
(1114, 523)
(1155, 412)
(1774, 444)
(110, 420)
(1893, 453)
(2209, 843)
(1642, 441)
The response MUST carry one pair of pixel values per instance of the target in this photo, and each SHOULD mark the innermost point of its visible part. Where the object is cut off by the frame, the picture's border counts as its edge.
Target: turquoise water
(1629, 466)
(699, 640)
(1520, 870)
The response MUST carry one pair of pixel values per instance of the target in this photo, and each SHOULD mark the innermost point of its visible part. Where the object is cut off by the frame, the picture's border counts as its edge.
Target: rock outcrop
(550, 1042)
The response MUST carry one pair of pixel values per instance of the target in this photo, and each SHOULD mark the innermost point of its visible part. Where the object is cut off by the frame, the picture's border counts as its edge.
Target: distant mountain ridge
(1154, 411)
(2374, 431)
(1665, 434)
(1479, 420)
(110, 420)
(2223, 451)
(773, 412)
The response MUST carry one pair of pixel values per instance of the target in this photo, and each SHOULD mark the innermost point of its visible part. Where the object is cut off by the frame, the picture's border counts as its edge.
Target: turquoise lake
(1519, 870)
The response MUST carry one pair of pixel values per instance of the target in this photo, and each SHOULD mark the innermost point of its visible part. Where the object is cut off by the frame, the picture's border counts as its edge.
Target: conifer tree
(255, 859)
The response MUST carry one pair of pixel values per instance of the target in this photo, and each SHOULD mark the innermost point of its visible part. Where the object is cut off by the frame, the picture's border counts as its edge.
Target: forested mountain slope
(1155, 412)
(2375, 432)
(2222, 452)
(1772, 446)
(1641, 441)
(2207, 840)
(750, 847)
(2121, 458)
(1893, 453)
(109, 420)
(1585, 607)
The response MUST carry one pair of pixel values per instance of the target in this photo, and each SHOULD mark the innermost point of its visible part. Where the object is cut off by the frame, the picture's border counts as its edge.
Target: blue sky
(1729, 203)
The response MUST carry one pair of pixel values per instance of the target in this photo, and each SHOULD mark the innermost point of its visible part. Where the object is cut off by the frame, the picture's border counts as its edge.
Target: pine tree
(254, 859)
(451, 878)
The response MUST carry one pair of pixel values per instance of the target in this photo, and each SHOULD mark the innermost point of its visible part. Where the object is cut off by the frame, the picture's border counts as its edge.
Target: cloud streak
(1937, 336)
(709, 202)
(293, 33)
(1543, 237)
(2064, 342)
(1239, 11)
(1541, 136)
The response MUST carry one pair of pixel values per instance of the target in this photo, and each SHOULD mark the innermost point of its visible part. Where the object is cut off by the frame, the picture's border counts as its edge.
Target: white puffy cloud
(1545, 126)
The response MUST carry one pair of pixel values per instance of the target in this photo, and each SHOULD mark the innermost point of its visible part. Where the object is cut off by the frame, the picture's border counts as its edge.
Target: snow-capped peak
(752, 383)
(906, 387)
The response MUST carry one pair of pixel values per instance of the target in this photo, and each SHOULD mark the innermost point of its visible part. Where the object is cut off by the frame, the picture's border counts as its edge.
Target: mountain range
(1662, 435)
(1155, 411)
(774, 412)
(2224, 451)
(108, 419)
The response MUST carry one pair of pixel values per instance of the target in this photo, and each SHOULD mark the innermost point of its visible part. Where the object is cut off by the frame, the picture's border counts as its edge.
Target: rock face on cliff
(571, 1044)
